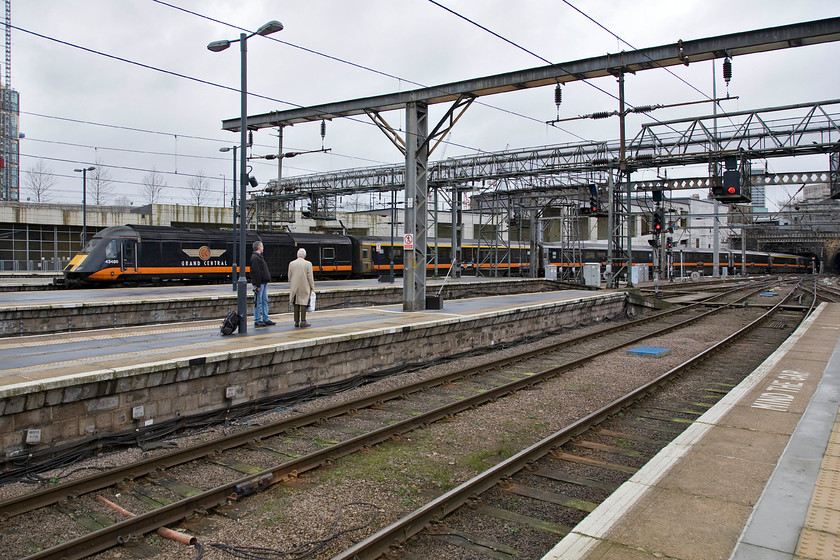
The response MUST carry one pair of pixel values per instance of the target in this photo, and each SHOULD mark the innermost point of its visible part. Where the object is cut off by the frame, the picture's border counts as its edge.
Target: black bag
(231, 323)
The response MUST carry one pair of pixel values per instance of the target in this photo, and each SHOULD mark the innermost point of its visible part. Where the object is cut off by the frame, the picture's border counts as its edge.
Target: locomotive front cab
(107, 257)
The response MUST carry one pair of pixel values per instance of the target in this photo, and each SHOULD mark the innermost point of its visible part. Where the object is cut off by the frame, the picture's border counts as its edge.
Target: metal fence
(51, 265)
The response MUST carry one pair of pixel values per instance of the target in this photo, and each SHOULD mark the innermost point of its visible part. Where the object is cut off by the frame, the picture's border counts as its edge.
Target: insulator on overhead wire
(323, 129)
(643, 109)
(601, 115)
(558, 95)
(727, 70)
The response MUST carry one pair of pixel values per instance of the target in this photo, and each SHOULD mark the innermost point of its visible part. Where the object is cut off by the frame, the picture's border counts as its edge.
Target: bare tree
(153, 185)
(39, 180)
(199, 189)
(122, 200)
(100, 187)
(357, 202)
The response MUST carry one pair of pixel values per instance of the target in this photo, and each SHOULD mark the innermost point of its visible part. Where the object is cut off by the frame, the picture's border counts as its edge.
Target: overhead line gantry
(418, 142)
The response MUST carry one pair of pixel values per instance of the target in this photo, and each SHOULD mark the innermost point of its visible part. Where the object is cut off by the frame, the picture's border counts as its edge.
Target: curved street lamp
(218, 46)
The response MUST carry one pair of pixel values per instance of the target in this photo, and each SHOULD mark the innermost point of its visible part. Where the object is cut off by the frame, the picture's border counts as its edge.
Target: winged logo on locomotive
(204, 252)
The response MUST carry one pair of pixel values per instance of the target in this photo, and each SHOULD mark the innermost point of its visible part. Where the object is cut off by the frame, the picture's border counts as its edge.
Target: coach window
(328, 254)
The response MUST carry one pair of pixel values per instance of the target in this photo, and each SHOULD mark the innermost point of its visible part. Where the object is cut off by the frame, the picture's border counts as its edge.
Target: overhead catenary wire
(294, 46)
(205, 157)
(227, 87)
(348, 62)
(587, 82)
(602, 26)
(184, 76)
(162, 133)
(668, 70)
(472, 22)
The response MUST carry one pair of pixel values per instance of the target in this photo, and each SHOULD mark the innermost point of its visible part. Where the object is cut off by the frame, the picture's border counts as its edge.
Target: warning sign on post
(408, 242)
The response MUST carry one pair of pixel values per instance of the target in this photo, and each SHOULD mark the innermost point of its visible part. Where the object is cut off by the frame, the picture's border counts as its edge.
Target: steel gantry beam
(414, 101)
(679, 53)
(801, 129)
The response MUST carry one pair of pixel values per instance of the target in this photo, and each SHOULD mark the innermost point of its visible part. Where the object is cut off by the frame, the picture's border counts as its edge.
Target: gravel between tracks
(397, 477)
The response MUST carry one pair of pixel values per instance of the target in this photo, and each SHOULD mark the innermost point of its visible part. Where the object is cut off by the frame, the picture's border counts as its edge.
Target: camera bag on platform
(230, 324)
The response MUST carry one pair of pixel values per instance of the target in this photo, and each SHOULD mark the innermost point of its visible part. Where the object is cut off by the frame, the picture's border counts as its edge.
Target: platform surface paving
(756, 477)
(44, 358)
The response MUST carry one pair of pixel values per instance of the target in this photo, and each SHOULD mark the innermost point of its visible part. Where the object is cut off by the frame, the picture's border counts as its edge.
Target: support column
(536, 240)
(627, 209)
(416, 205)
(456, 231)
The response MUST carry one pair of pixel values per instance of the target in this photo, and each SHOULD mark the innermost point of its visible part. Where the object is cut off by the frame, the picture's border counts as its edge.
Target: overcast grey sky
(79, 106)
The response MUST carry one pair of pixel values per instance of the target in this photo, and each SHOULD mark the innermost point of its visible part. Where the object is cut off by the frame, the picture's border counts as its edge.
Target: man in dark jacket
(260, 277)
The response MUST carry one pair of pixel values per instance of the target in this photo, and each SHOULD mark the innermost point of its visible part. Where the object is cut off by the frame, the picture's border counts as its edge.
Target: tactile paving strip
(833, 449)
(829, 478)
(830, 463)
(819, 539)
(823, 519)
(817, 545)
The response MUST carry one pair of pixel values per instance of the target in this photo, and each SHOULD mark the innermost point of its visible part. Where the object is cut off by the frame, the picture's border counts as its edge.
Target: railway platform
(67, 387)
(757, 477)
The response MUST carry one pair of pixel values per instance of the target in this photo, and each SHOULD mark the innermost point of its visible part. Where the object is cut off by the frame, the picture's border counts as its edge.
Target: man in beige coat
(301, 283)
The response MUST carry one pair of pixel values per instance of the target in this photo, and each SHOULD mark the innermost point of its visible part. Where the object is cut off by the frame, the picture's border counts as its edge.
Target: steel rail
(409, 525)
(48, 496)
(143, 523)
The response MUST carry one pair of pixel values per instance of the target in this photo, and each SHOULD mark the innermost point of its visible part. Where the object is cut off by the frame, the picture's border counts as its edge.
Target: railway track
(519, 507)
(266, 455)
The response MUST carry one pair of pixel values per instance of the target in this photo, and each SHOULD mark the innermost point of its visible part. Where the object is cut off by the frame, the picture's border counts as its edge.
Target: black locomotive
(154, 254)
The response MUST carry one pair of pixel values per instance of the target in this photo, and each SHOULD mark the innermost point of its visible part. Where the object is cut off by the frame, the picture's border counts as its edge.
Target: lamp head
(91, 168)
(218, 46)
(272, 26)
(225, 149)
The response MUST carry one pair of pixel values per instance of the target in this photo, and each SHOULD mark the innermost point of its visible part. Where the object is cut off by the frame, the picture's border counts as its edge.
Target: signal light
(657, 195)
(732, 182)
(669, 242)
(594, 206)
(657, 220)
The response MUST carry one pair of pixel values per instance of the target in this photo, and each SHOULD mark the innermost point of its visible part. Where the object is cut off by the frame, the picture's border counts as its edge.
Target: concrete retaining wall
(47, 319)
(71, 408)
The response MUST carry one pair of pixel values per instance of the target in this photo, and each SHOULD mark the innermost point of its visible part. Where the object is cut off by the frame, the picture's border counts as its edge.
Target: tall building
(9, 119)
(9, 145)
(757, 193)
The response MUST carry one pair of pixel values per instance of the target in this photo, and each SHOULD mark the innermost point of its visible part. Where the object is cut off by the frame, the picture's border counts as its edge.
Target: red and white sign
(408, 242)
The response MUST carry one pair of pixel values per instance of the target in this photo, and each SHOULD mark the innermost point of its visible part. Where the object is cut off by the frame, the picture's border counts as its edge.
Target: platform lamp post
(233, 199)
(84, 171)
(218, 46)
